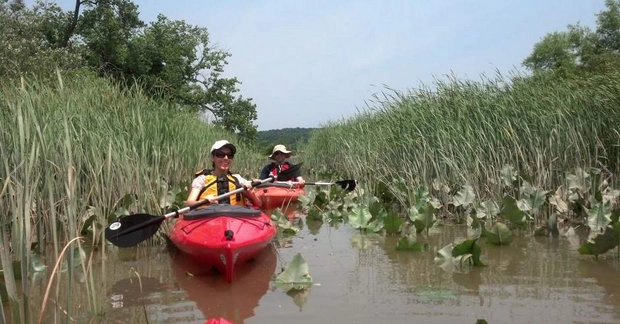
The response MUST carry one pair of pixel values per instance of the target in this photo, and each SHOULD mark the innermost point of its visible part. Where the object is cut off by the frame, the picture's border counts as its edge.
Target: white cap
(221, 143)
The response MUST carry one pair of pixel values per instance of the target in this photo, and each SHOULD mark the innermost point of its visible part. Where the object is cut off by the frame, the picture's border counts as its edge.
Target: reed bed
(464, 132)
(70, 151)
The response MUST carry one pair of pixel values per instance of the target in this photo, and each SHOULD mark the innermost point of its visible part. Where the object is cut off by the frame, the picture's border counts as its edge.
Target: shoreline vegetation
(81, 152)
(85, 141)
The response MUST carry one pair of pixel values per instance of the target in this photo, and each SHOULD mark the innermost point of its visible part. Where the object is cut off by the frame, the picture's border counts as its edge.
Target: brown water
(361, 278)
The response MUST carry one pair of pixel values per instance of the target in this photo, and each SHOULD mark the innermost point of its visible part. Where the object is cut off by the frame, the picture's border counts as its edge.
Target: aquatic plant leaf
(511, 212)
(488, 209)
(610, 196)
(408, 243)
(449, 263)
(468, 249)
(300, 296)
(424, 218)
(508, 175)
(88, 220)
(307, 200)
(602, 242)
(474, 227)
(314, 213)
(296, 275)
(499, 234)
(535, 197)
(444, 258)
(392, 222)
(577, 180)
(360, 217)
(464, 197)
(557, 200)
(375, 226)
(282, 222)
(599, 216)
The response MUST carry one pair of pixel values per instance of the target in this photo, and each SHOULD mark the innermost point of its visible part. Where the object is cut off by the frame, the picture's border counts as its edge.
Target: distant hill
(290, 137)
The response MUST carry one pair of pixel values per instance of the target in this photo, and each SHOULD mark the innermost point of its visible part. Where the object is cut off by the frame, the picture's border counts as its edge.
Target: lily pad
(296, 275)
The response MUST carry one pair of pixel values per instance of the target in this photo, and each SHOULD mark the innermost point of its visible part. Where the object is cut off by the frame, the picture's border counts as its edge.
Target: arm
(249, 194)
(193, 196)
(264, 173)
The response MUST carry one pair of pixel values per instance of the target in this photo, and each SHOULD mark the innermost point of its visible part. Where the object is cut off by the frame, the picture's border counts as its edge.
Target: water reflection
(193, 294)
(217, 298)
(362, 278)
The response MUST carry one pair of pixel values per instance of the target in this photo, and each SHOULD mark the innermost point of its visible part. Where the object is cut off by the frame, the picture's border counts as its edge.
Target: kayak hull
(223, 236)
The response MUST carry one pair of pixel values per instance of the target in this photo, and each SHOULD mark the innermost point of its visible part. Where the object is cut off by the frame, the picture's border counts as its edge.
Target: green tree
(169, 60)
(579, 49)
(29, 39)
(173, 60)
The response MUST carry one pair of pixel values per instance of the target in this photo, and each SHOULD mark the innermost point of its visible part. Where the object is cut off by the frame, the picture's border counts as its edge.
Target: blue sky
(305, 63)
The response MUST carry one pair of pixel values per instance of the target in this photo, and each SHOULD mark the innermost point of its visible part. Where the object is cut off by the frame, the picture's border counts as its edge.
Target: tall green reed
(71, 150)
(464, 132)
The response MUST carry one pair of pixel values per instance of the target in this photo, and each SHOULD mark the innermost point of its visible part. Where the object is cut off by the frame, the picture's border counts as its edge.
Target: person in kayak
(280, 155)
(209, 184)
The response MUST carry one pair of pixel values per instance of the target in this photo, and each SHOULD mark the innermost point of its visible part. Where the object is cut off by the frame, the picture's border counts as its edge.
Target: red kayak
(223, 236)
(278, 194)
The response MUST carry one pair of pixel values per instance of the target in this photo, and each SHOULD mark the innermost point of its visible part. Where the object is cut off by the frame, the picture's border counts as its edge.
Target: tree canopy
(579, 49)
(168, 59)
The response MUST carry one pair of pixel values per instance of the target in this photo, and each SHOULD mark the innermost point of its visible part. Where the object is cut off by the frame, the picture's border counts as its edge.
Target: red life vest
(277, 169)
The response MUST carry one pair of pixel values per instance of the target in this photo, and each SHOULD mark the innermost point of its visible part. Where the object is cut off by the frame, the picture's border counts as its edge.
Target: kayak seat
(221, 210)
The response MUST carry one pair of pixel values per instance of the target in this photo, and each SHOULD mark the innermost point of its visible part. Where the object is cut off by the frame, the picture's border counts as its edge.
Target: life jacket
(275, 169)
(215, 186)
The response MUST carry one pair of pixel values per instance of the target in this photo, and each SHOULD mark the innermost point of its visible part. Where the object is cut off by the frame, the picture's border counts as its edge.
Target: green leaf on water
(602, 242)
(512, 212)
(557, 200)
(282, 222)
(464, 197)
(392, 222)
(359, 217)
(499, 234)
(296, 275)
(408, 243)
(468, 248)
(423, 218)
(599, 216)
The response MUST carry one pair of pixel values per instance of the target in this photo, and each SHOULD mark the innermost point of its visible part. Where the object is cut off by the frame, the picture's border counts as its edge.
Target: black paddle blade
(290, 173)
(348, 185)
(133, 229)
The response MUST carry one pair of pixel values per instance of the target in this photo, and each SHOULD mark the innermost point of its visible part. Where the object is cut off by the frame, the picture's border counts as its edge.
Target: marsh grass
(465, 132)
(72, 149)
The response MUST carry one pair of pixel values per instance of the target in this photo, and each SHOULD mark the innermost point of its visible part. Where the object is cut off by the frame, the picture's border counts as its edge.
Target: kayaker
(219, 180)
(279, 155)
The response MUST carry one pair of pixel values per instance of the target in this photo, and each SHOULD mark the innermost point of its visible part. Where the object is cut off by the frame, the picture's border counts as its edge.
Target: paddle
(133, 229)
(348, 185)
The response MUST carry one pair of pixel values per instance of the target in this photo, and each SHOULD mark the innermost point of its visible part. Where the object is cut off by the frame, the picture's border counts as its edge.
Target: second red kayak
(278, 195)
(223, 235)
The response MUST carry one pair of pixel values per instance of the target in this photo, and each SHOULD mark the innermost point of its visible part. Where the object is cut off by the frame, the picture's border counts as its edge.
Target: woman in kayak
(209, 184)
(280, 155)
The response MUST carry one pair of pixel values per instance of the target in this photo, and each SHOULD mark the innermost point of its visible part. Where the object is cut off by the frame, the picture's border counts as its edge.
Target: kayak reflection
(217, 298)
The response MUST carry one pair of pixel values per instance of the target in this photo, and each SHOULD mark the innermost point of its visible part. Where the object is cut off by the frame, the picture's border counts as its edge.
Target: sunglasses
(221, 154)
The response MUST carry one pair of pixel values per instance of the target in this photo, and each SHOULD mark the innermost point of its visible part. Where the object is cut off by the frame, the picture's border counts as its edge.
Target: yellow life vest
(216, 187)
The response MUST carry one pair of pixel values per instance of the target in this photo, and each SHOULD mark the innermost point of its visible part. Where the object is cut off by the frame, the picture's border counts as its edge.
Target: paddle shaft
(345, 184)
(119, 235)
